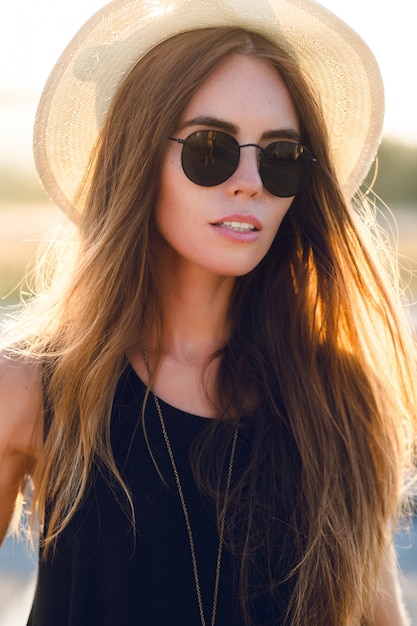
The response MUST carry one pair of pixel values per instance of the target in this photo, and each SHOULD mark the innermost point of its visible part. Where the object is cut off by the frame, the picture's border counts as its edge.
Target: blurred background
(33, 36)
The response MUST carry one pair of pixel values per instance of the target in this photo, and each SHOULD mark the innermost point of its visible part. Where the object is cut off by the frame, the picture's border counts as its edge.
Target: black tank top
(104, 574)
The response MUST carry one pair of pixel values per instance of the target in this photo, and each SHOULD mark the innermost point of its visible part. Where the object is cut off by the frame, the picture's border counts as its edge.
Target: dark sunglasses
(210, 157)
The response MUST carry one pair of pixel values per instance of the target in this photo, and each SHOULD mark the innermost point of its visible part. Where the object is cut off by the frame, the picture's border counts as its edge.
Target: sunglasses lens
(285, 168)
(209, 157)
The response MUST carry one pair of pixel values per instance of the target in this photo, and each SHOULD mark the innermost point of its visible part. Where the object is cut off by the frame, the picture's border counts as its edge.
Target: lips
(240, 227)
(239, 223)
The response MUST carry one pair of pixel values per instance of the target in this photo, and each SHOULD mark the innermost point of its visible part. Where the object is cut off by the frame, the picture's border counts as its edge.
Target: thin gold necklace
(186, 514)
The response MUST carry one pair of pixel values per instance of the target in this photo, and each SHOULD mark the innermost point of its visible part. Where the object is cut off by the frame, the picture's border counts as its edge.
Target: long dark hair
(317, 366)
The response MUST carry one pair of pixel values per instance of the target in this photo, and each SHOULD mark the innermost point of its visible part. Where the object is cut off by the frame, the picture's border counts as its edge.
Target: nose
(246, 180)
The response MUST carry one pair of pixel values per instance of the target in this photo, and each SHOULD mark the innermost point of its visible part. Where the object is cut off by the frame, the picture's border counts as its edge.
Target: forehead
(246, 91)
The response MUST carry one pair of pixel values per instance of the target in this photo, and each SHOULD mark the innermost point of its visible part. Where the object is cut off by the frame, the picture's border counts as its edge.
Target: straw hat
(74, 102)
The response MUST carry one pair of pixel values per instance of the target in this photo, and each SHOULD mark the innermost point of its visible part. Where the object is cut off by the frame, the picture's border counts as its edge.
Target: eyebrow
(214, 122)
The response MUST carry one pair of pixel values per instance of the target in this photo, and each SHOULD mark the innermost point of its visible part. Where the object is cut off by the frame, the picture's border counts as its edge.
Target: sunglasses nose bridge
(246, 174)
(259, 150)
(253, 145)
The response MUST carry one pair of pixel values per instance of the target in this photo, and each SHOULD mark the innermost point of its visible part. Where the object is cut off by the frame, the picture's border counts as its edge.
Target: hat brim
(329, 53)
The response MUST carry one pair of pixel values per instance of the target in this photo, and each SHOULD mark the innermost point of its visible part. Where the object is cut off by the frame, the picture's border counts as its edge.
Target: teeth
(239, 226)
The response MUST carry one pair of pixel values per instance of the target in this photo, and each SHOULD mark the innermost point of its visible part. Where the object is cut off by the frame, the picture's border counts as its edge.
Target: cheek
(175, 215)
(281, 210)
(171, 170)
(174, 186)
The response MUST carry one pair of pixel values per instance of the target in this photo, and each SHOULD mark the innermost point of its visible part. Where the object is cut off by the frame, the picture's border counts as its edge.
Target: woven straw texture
(84, 80)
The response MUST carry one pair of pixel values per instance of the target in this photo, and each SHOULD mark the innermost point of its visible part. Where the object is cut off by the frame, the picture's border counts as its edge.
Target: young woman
(214, 395)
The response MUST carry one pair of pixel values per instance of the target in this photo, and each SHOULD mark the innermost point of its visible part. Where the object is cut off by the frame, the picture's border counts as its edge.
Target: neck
(195, 306)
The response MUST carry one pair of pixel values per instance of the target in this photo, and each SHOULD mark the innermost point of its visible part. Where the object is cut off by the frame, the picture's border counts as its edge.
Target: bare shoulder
(389, 607)
(21, 429)
(21, 406)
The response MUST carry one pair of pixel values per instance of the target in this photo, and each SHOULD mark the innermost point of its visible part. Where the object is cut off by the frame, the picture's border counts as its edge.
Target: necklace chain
(186, 514)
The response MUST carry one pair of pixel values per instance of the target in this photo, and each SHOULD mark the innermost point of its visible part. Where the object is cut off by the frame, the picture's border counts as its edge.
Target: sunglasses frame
(234, 150)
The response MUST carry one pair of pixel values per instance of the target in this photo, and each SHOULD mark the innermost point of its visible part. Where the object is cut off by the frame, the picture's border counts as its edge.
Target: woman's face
(226, 229)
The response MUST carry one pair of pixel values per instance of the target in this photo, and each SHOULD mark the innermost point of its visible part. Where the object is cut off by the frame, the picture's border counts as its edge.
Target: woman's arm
(390, 609)
(20, 430)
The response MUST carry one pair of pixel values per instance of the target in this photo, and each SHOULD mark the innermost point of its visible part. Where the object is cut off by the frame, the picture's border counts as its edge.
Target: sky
(35, 32)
